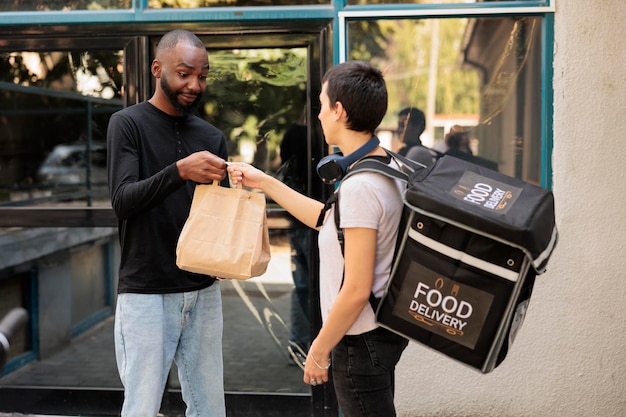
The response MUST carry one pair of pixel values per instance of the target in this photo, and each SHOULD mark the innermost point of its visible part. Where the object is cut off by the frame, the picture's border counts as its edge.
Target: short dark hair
(362, 91)
(173, 38)
(414, 117)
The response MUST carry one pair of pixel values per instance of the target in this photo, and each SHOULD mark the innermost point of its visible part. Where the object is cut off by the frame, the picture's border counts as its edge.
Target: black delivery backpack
(472, 244)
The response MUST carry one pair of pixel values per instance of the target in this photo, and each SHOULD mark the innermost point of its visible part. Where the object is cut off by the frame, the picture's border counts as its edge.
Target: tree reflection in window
(55, 107)
(191, 4)
(482, 76)
(65, 5)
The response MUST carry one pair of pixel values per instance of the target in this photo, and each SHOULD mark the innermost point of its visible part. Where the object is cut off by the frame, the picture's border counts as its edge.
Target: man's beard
(172, 96)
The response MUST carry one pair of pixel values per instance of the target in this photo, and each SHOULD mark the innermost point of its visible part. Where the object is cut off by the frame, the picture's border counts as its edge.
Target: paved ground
(25, 415)
(256, 317)
(255, 360)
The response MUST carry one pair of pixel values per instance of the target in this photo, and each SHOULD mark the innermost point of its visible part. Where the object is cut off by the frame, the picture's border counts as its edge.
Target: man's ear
(156, 68)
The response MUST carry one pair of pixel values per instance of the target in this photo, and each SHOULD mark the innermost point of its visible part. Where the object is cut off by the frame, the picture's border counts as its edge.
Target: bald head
(173, 38)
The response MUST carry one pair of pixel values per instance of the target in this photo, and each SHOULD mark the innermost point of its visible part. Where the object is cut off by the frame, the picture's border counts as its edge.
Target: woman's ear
(339, 111)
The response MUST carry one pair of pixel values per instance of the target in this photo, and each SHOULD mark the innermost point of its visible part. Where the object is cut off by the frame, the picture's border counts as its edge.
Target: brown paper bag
(225, 234)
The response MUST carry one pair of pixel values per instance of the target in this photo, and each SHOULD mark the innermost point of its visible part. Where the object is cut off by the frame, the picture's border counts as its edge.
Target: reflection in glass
(477, 81)
(15, 293)
(191, 4)
(256, 316)
(62, 275)
(366, 2)
(255, 96)
(54, 113)
(257, 328)
(65, 5)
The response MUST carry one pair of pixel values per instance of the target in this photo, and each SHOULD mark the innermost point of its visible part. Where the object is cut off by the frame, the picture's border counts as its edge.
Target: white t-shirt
(367, 200)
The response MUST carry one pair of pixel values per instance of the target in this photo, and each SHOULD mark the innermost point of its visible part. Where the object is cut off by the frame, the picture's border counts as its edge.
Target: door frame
(137, 42)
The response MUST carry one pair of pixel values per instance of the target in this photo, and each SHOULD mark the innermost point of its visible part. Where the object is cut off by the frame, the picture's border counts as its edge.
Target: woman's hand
(302, 207)
(246, 174)
(316, 367)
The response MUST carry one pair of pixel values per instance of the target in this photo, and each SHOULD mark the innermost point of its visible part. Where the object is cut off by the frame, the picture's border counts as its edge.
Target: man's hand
(202, 167)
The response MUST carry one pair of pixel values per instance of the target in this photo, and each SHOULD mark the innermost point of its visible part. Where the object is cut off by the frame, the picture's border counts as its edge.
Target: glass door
(259, 97)
(263, 93)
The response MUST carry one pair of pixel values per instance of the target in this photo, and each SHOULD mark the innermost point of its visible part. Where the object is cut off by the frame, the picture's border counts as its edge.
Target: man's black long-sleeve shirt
(148, 196)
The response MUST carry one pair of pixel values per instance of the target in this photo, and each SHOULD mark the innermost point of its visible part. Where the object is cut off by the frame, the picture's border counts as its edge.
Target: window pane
(54, 112)
(481, 76)
(366, 2)
(69, 270)
(89, 283)
(65, 5)
(14, 293)
(191, 4)
(254, 96)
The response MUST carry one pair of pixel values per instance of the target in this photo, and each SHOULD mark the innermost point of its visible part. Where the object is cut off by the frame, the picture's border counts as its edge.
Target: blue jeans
(300, 307)
(151, 330)
(364, 371)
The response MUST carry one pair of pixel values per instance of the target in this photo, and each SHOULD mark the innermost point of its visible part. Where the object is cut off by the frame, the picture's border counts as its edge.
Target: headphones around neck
(333, 167)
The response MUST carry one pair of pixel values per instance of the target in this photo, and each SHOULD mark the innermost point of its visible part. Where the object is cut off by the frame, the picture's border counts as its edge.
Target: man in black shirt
(157, 151)
(411, 125)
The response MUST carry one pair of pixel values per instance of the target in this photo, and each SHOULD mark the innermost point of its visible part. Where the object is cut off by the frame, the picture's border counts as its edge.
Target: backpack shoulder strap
(407, 167)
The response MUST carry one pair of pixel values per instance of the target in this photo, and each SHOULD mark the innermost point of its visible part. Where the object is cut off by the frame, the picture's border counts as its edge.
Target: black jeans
(363, 373)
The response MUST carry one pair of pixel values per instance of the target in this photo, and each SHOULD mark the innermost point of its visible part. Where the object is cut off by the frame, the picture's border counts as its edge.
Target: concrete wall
(569, 358)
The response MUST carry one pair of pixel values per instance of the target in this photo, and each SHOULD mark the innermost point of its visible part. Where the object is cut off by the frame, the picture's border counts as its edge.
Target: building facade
(536, 84)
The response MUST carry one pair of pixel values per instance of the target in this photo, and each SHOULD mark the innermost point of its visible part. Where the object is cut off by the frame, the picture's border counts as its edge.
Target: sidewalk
(256, 319)
(26, 415)
(255, 360)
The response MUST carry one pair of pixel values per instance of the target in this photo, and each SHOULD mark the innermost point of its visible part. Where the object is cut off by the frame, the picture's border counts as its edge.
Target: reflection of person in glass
(353, 103)
(157, 151)
(458, 142)
(293, 172)
(411, 125)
